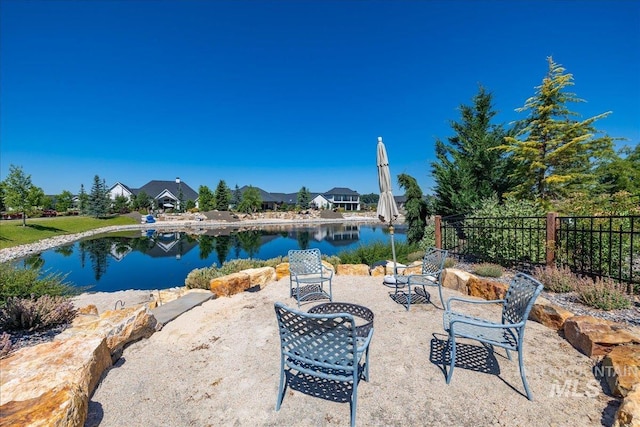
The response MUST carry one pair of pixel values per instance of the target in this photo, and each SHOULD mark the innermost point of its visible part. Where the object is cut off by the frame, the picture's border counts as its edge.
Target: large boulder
(548, 314)
(282, 270)
(49, 384)
(628, 414)
(234, 283)
(596, 337)
(621, 368)
(353, 270)
(487, 289)
(455, 279)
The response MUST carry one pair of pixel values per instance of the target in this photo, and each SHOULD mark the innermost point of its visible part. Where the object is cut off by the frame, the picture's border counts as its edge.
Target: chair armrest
(482, 323)
(418, 279)
(330, 271)
(363, 343)
(471, 301)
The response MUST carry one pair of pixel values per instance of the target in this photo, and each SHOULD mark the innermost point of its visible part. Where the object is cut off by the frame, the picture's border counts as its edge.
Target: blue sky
(285, 94)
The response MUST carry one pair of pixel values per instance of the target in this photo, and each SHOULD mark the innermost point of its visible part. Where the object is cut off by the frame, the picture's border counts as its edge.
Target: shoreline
(22, 251)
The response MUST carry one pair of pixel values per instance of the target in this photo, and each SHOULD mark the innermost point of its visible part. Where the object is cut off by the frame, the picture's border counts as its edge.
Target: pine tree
(98, 198)
(237, 197)
(222, 196)
(83, 201)
(205, 199)
(303, 198)
(468, 170)
(555, 153)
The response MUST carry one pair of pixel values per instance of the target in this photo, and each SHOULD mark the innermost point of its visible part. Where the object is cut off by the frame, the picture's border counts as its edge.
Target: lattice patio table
(362, 315)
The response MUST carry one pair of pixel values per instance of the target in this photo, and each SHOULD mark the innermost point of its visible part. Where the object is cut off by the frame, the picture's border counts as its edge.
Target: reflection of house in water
(119, 250)
(169, 244)
(344, 235)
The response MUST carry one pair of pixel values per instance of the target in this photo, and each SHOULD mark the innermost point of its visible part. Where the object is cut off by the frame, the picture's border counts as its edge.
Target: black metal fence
(594, 246)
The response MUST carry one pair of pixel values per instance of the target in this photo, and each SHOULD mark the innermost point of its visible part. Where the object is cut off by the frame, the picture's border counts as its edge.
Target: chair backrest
(522, 293)
(433, 261)
(324, 340)
(307, 261)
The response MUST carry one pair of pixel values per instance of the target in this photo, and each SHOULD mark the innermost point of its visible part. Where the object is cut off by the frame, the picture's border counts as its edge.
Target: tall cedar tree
(205, 198)
(222, 196)
(468, 170)
(415, 208)
(556, 154)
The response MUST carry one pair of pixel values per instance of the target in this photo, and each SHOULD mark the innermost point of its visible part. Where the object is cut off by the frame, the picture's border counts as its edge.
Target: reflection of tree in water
(249, 241)
(65, 251)
(34, 262)
(303, 239)
(223, 244)
(143, 244)
(205, 243)
(98, 251)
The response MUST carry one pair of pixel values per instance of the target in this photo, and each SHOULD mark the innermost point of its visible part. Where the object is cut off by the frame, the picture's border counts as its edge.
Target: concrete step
(169, 311)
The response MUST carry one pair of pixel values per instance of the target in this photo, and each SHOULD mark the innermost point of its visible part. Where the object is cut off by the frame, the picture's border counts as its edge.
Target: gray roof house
(343, 198)
(166, 194)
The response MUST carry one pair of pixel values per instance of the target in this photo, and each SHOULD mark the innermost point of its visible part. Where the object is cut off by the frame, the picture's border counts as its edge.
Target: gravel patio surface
(218, 364)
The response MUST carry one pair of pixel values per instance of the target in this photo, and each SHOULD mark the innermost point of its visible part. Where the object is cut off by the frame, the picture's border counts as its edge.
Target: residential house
(165, 194)
(343, 198)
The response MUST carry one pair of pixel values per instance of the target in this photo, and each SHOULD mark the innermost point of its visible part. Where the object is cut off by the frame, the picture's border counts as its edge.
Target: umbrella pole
(393, 247)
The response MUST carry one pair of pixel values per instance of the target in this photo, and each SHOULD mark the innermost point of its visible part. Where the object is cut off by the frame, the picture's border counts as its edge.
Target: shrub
(36, 313)
(488, 270)
(378, 251)
(556, 279)
(603, 293)
(415, 256)
(5, 344)
(200, 278)
(25, 282)
(449, 262)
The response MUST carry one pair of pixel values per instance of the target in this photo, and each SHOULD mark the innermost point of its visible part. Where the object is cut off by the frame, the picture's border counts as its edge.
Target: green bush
(36, 313)
(377, 251)
(488, 270)
(603, 293)
(200, 278)
(556, 279)
(415, 256)
(25, 282)
(449, 262)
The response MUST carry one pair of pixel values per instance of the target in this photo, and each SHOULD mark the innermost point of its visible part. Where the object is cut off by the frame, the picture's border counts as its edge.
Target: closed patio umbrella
(387, 208)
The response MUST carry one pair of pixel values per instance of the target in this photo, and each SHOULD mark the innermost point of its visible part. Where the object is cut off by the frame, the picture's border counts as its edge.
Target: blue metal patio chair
(321, 352)
(431, 275)
(309, 275)
(508, 333)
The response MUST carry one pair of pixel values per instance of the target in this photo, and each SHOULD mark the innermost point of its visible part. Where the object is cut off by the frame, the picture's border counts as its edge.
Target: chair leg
(408, 297)
(523, 375)
(354, 400)
(441, 298)
(452, 353)
(282, 387)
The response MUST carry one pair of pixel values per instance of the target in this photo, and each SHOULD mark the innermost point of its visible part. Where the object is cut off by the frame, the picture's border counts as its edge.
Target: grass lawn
(12, 233)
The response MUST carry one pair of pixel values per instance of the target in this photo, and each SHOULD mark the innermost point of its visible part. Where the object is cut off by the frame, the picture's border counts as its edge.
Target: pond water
(155, 259)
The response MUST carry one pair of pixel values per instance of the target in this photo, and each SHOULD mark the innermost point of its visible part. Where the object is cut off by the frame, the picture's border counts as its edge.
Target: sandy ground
(218, 365)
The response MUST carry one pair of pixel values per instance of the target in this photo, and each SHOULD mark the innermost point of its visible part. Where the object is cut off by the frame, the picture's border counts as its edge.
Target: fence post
(551, 238)
(438, 231)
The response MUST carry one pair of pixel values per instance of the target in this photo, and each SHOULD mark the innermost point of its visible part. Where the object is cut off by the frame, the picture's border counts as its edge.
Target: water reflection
(153, 259)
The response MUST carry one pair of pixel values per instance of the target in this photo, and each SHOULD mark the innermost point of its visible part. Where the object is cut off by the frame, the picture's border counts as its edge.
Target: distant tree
(237, 197)
(304, 198)
(205, 199)
(191, 204)
(415, 207)
(467, 169)
(19, 192)
(142, 201)
(98, 198)
(38, 199)
(222, 196)
(64, 201)
(371, 198)
(121, 204)
(622, 172)
(2, 194)
(83, 200)
(251, 200)
(556, 154)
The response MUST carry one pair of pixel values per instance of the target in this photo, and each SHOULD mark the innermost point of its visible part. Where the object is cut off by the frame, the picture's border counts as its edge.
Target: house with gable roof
(343, 198)
(165, 194)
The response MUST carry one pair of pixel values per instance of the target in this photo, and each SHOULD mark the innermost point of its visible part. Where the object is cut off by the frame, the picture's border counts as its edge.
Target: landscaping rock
(621, 369)
(628, 414)
(550, 315)
(487, 289)
(353, 270)
(596, 337)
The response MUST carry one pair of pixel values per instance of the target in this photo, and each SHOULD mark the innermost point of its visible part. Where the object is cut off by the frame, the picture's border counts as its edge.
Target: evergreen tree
(222, 196)
(303, 198)
(237, 197)
(205, 199)
(251, 200)
(415, 207)
(467, 169)
(19, 192)
(98, 198)
(555, 153)
(83, 200)
(622, 172)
